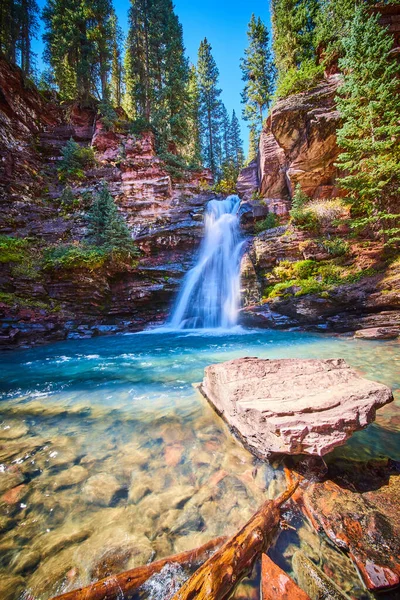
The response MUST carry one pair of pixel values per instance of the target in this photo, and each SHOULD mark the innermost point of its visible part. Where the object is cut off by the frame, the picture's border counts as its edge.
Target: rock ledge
(292, 406)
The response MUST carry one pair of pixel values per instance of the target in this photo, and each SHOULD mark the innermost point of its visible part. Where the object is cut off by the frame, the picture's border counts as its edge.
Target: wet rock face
(292, 406)
(357, 508)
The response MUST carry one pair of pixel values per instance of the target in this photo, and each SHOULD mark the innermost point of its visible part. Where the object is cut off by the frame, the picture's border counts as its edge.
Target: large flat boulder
(292, 406)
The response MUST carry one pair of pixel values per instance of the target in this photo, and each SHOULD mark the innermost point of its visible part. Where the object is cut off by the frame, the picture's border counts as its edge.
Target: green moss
(12, 249)
(13, 300)
(312, 277)
(73, 257)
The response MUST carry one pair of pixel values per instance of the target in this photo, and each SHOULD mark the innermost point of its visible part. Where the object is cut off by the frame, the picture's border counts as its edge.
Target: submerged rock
(358, 510)
(100, 489)
(292, 406)
(314, 581)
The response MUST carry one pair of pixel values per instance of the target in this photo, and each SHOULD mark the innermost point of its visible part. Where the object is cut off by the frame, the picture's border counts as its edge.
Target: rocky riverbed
(110, 458)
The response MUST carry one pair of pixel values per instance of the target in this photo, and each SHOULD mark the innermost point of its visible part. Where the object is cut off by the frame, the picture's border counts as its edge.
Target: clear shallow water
(115, 459)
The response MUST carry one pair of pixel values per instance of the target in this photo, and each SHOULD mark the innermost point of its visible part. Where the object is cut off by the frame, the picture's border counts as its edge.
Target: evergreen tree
(236, 142)
(117, 70)
(209, 104)
(253, 144)
(226, 137)
(294, 32)
(194, 125)
(157, 70)
(78, 42)
(369, 103)
(258, 73)
(107, 227)
(18, 25)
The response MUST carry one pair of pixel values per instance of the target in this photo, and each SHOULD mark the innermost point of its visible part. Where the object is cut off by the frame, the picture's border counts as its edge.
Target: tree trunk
(129, 582)
(217, 578)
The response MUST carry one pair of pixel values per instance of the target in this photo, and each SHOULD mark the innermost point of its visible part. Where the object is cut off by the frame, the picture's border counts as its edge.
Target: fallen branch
(129, 582)
(217, 578)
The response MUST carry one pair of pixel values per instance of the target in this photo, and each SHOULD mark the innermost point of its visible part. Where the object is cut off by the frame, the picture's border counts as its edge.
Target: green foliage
(369, 103)
(108, 115)
(70, 256)
(294, 44)
(258, 71)
(75, 159)
(107, 228)
(296, 80)
(312, 277)
(157, 71)
(116, 84)
(193, 148)
(13, 249)
(210, 105)
(336, 246)
(18, 25)
(227, 183)
(78, 46)
(175, 165)
(236, 142)
(313, 215)
(270, 221)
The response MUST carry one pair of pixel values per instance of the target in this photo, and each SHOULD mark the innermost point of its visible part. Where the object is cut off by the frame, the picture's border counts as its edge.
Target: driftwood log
(129, 582)
(218, 577)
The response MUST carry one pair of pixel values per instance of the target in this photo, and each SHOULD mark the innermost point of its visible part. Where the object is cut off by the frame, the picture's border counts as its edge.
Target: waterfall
(210, 293)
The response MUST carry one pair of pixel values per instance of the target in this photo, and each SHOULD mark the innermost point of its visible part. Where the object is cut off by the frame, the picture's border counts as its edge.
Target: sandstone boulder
(292, 406)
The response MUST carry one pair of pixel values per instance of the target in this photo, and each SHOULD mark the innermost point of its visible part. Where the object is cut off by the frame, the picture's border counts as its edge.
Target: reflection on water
(109, 458)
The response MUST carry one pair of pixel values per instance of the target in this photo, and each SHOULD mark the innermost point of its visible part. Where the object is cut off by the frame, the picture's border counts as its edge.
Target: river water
(115, 459)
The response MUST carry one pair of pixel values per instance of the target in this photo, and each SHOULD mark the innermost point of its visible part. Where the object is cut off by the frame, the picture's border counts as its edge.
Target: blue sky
(224, 24)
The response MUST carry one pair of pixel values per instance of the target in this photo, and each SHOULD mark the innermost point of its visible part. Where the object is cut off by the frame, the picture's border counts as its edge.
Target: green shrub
(270, 221)
(108, 115)
(336, 247)
(75, 159)
(74, 256)
(12, 249)
(299, 80)
(311, 215)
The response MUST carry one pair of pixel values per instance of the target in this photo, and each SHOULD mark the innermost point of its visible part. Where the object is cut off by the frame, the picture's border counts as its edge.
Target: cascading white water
(210, 294)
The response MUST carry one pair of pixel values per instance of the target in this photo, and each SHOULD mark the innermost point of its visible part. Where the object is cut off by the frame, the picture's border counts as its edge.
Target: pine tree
(253, 145)
(193, 151)
(18, 25)
(226, 140)
(157, 71)
(294, 32)
(107, 227)
(236, 142)
(117, 70)
(369, 103)
(209, 104)
(258, 73)
(78, 42)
